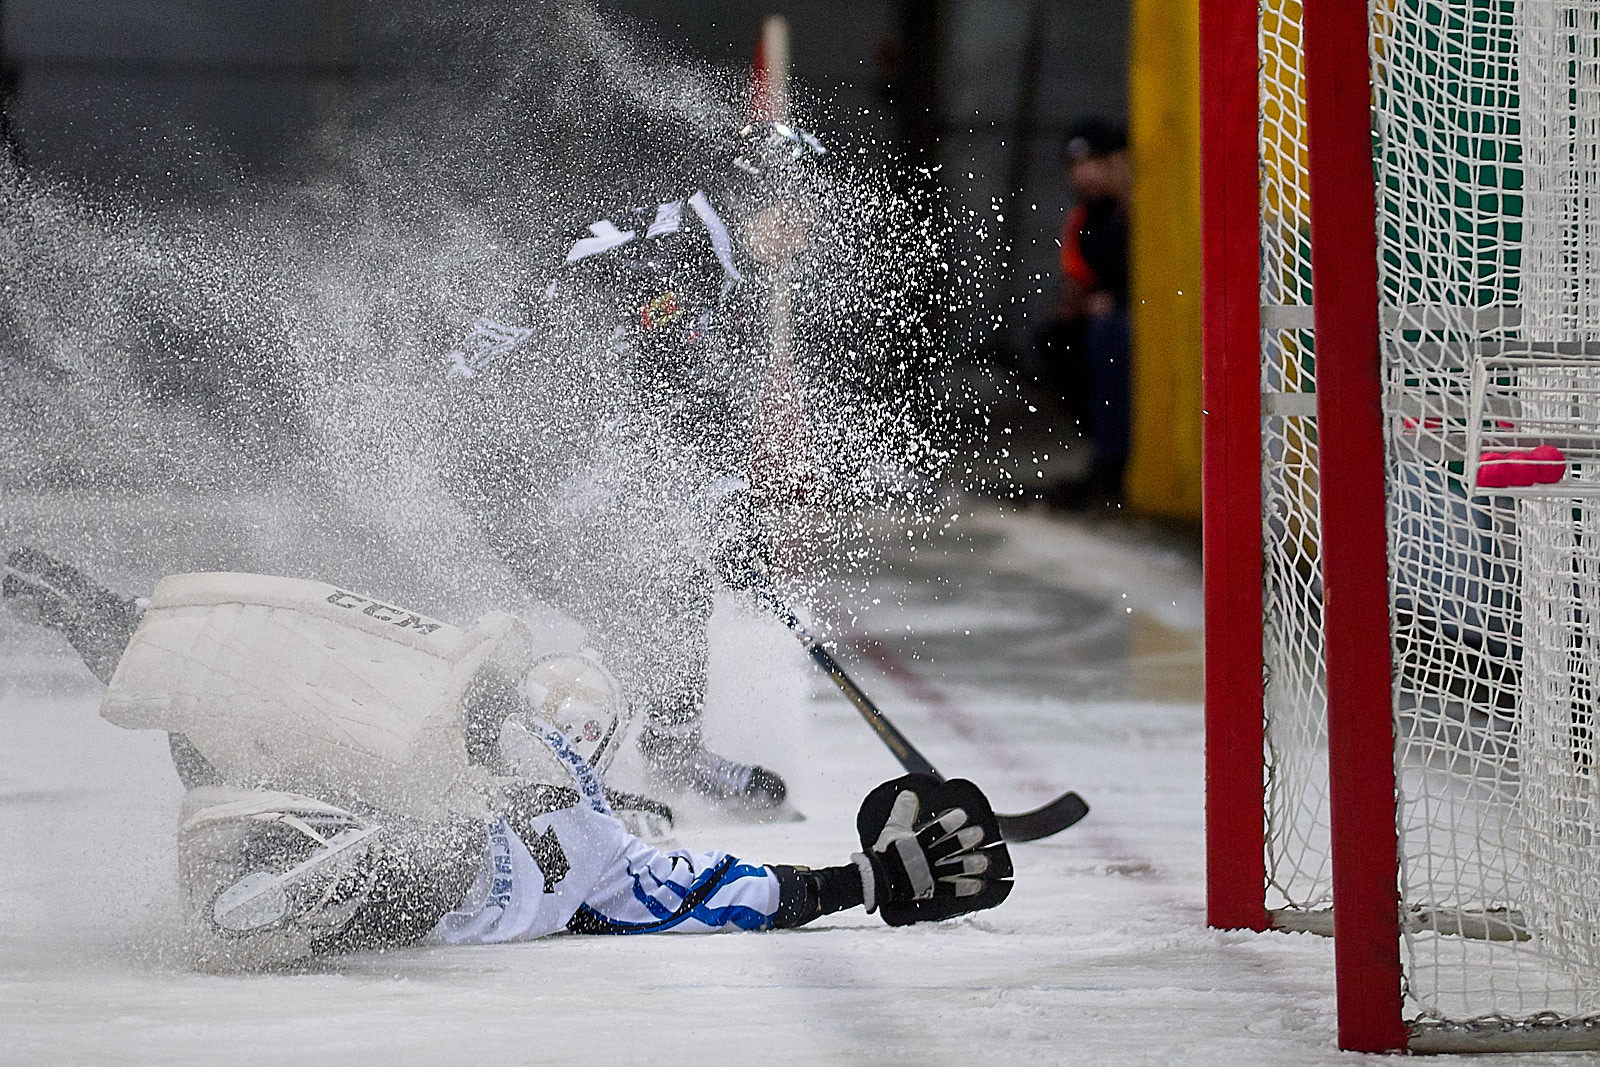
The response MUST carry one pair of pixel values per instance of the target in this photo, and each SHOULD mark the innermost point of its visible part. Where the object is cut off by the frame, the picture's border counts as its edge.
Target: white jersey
(579, 868)
(585, 872)
(522, 893)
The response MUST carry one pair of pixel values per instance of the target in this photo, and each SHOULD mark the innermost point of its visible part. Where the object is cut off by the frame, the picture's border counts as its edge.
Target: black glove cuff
(804, 895)
(838, 888)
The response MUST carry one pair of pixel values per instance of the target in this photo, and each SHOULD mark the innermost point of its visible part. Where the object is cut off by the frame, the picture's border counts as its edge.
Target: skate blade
(264, 899)
(785, 812)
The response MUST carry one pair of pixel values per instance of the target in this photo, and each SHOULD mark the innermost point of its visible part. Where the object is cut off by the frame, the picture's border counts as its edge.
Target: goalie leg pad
(266, 876)
(931, 850)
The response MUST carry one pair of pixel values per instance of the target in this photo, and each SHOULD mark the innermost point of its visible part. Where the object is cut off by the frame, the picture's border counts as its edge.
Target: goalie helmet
(574, 693)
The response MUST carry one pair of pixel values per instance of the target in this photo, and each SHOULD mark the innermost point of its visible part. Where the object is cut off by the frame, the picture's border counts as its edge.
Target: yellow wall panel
(1163, 476)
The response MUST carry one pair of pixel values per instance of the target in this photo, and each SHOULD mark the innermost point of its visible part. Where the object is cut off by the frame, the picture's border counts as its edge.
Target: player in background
(620, 510)
(363, 776)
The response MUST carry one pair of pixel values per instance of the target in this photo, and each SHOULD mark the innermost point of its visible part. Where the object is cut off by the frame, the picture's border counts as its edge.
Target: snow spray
(284, 356)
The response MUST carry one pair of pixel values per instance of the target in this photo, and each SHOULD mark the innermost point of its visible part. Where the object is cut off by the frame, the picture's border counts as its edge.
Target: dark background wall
(878, 62)
(187, 99)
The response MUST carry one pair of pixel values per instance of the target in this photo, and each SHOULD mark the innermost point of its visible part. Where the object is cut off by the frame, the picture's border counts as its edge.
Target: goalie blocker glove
(932, 850)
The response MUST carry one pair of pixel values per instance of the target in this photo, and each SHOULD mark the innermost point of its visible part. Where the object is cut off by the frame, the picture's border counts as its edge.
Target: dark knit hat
(1092, 138)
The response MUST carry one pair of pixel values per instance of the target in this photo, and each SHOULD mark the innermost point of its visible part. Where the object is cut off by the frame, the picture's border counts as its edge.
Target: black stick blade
(1060, 813)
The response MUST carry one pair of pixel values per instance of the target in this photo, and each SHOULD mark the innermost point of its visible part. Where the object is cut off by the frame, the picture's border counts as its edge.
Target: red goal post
(1399, 263)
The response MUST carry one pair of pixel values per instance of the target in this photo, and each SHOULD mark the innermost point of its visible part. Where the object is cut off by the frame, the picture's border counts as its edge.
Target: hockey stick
(1052, 818)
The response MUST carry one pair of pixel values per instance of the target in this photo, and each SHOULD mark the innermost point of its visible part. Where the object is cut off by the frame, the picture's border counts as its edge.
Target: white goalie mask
(574, 693)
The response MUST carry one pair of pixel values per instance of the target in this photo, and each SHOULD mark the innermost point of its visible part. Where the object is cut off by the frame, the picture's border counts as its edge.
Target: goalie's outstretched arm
(931, 850)
(270, 879)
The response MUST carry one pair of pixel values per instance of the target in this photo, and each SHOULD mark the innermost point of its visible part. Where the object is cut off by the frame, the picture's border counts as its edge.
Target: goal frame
(1403, 657)
(1364, 840)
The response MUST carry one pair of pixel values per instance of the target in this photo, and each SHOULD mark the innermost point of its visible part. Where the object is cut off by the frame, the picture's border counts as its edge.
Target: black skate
(685, 763)
(97, 621)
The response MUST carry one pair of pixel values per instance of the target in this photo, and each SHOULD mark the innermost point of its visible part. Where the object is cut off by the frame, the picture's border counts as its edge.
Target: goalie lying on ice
(362, 776)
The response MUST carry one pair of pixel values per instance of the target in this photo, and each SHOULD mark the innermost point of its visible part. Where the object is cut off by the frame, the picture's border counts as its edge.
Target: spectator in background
(1085, 350)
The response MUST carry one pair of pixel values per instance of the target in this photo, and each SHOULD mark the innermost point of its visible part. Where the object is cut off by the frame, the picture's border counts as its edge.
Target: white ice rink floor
(1034, 654)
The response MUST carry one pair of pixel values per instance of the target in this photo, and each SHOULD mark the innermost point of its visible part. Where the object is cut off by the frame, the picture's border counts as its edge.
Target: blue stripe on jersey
(693, 906)
(735, 914)
(583, 775)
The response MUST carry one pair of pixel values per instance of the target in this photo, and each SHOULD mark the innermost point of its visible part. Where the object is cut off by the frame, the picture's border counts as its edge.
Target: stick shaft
(1060, 813)
(903, 750)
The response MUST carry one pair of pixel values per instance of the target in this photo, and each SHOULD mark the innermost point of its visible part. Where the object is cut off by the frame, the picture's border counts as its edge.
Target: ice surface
(1028, 654)
(1100, 956)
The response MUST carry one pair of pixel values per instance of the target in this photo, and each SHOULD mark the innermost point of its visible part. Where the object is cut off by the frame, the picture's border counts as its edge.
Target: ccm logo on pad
(405, 620)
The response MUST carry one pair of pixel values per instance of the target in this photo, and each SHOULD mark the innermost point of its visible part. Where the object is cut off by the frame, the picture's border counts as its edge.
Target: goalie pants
(581, 870)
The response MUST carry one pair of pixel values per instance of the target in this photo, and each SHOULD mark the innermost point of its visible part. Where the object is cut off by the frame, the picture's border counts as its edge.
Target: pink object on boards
(1519, 469)
(1542, 465)
(1550, 465)
(1494, 470)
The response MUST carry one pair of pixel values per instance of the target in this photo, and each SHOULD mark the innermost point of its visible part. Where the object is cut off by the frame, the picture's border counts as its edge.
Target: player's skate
(97, 621)
(685, 763)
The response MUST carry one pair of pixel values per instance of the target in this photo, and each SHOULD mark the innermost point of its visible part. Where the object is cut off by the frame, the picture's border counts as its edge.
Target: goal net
(1486, 162)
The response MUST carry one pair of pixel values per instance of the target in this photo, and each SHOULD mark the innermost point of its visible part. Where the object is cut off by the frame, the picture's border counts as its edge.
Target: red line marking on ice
(1112, 847)
(945, 710)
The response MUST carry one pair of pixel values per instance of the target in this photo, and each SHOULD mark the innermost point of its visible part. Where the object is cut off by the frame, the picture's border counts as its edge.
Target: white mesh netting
(1485, 112)
(1487, 126)
(1298, 869)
